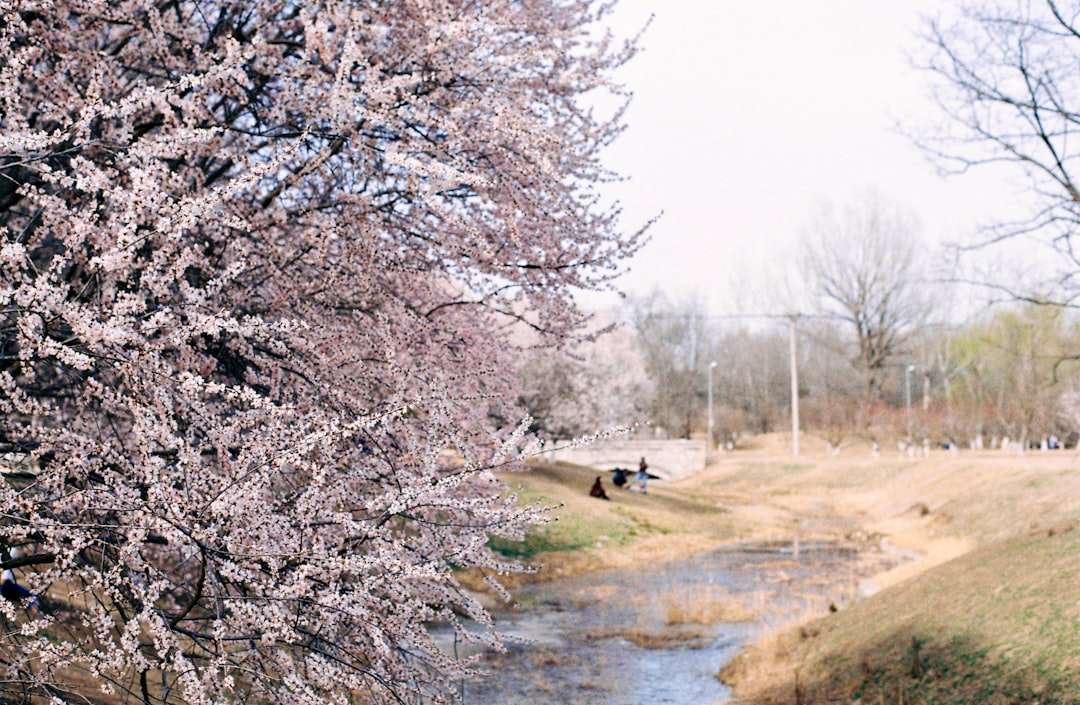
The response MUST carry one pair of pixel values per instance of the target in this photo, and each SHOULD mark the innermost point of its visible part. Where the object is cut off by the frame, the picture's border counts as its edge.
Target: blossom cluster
(261, 265)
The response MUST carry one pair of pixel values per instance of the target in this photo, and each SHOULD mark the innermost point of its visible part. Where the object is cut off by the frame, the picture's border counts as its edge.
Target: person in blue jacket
(642, 477)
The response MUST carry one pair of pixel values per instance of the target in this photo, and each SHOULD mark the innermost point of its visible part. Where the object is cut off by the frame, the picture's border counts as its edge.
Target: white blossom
(260, 271)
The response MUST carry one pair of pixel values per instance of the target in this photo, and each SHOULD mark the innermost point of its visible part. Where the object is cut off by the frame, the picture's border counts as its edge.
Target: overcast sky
(746, 116)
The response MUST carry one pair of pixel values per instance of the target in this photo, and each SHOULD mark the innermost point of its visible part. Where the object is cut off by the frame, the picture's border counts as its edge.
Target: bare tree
(831, 403)
(675, 341)
(753, 383)
(1004, 76)
(863, 267)
(1068, 407)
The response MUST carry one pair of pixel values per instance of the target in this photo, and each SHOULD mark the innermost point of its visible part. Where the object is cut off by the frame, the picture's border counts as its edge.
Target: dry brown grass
(545, 657)
(942, 616)
(763, 668)
(689, 638)
(688, 606)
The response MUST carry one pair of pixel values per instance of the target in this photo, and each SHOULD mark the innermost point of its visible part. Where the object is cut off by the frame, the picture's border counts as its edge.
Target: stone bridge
(668, 460)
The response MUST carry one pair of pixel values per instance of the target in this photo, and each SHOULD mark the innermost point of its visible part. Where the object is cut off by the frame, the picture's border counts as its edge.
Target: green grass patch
(569, 532)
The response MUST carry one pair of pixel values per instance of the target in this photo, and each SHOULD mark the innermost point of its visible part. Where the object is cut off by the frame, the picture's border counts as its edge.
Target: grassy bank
(990, 613)
(1000, 624)
(586, 533)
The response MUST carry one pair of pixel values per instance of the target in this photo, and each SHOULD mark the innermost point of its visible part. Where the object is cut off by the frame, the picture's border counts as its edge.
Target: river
(660, 634)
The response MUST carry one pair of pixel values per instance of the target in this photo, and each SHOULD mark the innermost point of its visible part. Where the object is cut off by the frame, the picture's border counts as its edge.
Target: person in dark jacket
(597, 490)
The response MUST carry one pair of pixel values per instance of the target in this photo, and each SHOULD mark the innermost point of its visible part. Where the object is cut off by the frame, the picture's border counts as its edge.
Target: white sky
(747, 115)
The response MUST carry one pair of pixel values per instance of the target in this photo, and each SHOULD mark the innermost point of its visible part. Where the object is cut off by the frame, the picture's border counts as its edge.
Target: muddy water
(647, 636)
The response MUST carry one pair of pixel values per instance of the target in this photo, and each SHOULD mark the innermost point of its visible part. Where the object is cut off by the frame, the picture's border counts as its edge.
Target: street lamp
(907, 398)
(709, 447)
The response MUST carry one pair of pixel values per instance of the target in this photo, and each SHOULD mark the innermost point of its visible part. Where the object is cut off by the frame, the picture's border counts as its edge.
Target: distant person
(642, 477)
(597, 490)
(619, 478)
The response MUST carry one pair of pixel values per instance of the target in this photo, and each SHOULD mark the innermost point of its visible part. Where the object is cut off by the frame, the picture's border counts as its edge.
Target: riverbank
(969, 517)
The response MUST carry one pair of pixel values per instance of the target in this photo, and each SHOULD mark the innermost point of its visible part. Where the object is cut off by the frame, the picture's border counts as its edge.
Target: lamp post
(709, 447)
(907, 398)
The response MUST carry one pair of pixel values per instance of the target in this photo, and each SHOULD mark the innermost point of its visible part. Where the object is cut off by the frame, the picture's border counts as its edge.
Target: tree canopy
(259, 265)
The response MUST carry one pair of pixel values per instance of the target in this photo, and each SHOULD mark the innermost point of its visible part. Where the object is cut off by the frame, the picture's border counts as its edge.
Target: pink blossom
(260, 275)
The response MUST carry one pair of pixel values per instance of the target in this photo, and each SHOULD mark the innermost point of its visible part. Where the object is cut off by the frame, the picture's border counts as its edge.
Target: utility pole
(907, 397)
(709, 447)
(794, 391)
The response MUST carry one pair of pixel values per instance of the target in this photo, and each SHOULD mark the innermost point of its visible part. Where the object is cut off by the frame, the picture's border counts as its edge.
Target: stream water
(660, 634)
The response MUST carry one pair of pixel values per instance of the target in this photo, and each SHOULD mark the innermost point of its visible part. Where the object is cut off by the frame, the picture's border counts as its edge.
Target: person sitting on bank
(619, 478)
(597, 490)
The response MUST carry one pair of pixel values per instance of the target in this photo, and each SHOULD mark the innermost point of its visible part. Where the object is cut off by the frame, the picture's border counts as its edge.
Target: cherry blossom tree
(259, 267)
(598, 384)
